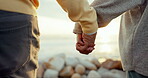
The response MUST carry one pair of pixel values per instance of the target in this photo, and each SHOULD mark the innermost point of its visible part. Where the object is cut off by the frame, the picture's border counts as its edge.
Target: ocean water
(57, 37)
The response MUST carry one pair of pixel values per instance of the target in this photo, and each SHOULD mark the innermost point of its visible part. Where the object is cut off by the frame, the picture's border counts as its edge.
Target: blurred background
(57, 37)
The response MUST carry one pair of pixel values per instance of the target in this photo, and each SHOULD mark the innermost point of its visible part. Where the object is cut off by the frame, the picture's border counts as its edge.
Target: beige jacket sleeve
(80, 11)
(77, 29)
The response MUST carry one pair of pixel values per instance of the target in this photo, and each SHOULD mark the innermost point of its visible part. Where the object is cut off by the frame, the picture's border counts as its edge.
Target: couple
(19, 33)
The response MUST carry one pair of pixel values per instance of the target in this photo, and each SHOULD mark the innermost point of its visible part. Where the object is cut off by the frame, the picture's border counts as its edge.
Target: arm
(80, 11)
(110, 9)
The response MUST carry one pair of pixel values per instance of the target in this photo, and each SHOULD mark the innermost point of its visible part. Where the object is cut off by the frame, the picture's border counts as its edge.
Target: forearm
(80, 11)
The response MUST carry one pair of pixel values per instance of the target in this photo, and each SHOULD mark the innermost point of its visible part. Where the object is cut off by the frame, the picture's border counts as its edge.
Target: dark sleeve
(110, 9)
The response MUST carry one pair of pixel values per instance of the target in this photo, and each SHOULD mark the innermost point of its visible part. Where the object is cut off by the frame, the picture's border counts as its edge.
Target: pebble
(95, 62)
(110, 75)
(49, 73)
(56, 63)
(67, 71)
(101, 70)
(76, 75)
(84, 76)
(80, 69)
(71, 61)
(62, 55)
(119, 72)
(88, 64)
(93, 74)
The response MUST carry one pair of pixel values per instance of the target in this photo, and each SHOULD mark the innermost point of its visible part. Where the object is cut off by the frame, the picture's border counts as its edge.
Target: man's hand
(85, 43)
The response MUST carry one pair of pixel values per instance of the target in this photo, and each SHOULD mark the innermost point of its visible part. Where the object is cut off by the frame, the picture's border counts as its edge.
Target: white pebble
(71, 61)
(76, 75)
(62, 55)
(93, 74)
(84, 76)
(88, 64)
(101, 71)
(80, 69)
(49, 73)
(95, 62)
(56, 63)
(119, 72)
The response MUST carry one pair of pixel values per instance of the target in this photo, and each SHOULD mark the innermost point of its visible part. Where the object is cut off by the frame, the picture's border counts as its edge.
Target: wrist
(90, 33)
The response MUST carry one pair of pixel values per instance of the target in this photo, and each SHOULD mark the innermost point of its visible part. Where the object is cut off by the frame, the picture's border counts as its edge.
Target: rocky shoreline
(60, 66)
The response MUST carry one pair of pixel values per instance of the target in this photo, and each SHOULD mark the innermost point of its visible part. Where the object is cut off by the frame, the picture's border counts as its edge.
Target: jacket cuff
(89, 24)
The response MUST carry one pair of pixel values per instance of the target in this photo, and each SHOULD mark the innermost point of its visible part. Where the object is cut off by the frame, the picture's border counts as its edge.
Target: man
(133, 30)
(19, 38)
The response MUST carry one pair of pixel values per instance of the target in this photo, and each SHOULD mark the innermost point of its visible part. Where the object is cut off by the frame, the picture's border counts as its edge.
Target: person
(133, 34)
(19, 38)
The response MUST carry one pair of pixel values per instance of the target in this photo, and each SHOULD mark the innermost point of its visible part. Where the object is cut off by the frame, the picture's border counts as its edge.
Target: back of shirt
(134, 39)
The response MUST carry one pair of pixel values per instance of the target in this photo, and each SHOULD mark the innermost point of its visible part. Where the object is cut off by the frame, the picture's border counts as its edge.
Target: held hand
(80, 39)
(85, 43)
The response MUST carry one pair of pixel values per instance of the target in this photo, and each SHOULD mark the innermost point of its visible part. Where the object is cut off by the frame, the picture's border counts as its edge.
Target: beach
(57, 36)
(58, 57)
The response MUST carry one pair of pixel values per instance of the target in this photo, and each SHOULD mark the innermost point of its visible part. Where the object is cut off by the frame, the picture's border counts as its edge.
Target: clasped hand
(85, 43)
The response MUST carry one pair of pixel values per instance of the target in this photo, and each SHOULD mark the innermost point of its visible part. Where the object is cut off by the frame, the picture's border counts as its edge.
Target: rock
(111, 64)
(62, 55)
(84, 76)
(86, 72)
(108, 75)
(76, 75)
(41, 70)
(95, 62)
(102, 70)
(105, 73)
(67, 71)
(80, 69)
(49, 73)
(93, 74)
(71, 61)
(87, 64)
(56, 63)
(46, 65)
(119, 72)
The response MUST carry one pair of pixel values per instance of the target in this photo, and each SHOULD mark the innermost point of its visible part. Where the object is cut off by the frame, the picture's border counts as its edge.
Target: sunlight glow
(54, 24)
(51, 26)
